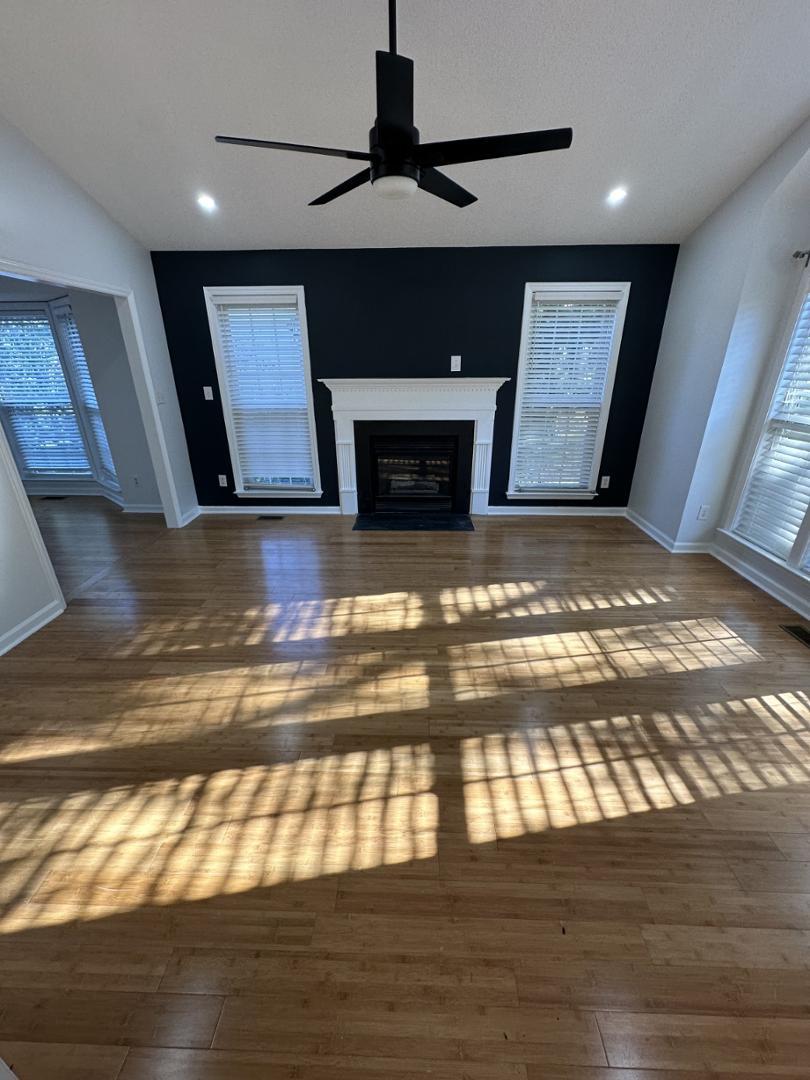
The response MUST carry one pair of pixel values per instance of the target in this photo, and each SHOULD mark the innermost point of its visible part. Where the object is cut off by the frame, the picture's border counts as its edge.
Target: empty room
(404, 540)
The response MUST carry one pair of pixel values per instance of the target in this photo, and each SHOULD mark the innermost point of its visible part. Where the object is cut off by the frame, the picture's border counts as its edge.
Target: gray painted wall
(705, 301)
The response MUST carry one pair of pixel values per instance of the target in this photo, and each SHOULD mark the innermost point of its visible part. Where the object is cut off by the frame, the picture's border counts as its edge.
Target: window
(568, 352)
(774, 509)
(262, 357)
(47, 403)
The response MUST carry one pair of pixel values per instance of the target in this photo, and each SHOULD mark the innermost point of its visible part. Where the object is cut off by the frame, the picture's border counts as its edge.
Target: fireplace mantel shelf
(455, 398)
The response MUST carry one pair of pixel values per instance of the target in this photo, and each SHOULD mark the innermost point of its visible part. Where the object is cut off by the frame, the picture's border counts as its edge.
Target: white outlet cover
(208, 393)
(223, 480)
(455, 363)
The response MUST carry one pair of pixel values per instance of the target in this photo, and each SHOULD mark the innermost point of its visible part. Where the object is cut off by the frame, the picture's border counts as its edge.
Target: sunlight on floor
(86, 854)
(548, 661)
(563, 775)
(520, 599)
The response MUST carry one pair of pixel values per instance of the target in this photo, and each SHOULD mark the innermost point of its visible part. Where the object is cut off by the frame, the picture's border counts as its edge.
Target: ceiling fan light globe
(395, 187)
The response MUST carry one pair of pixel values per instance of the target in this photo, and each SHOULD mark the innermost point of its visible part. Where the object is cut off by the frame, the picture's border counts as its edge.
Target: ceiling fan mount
(397, 163)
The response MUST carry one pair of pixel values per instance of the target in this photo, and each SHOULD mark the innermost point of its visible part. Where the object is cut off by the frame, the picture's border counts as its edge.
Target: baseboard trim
(189, 516)
(556, 511)
(650, 529)
(764, 581)
(30, 625)
(147, 508)
(256, 511)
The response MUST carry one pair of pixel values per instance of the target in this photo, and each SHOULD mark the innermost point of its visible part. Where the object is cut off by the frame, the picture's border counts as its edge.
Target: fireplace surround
(420, 401)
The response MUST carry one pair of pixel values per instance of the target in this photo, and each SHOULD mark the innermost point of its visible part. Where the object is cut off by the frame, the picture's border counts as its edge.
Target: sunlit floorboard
(280, 800)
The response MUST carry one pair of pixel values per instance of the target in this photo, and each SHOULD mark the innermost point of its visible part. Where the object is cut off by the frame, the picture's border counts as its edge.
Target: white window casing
(259, 335)
(569, 348)
(773, 508)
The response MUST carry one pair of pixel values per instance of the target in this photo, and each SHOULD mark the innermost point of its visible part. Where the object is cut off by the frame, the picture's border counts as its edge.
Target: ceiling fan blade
(354, 155)
(436, 183)
(353, 182)
(492, 146)
(394, 91)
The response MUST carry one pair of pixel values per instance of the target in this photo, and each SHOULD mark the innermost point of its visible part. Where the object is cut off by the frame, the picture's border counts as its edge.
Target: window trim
(58, 306)
(768, 390)
(575, 290)
(215, 294)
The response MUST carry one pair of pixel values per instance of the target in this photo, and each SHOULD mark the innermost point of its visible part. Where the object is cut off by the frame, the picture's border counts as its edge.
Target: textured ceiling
(679, 100)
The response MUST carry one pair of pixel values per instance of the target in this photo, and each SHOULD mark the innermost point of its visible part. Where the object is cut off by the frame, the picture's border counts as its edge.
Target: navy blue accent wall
(402, 312)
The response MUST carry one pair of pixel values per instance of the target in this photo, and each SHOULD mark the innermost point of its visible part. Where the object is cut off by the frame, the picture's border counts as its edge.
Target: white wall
(49, 223)
(100, 330)
(707, 291)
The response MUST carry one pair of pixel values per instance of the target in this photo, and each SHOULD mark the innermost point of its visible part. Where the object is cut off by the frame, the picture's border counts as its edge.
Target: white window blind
(35, 403)
(85, 391)
(262, 360)
(776, 498)
(568, 358)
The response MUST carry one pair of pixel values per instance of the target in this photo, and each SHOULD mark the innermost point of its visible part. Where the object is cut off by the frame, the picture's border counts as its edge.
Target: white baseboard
(756, 569)
(147, 508)
(30, 625)
(256, 511)
(189, 516)
(556, 511)
(650, 529)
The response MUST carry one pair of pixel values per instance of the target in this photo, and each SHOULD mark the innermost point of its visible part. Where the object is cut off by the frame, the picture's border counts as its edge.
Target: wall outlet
(208, 393)
(223, 480)
(455, 363)
(703, 512)
(136, 481)
(604, 482)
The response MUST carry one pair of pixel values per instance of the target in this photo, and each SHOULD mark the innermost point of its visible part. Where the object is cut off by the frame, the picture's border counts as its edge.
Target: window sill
(551, 494)
(275, 493)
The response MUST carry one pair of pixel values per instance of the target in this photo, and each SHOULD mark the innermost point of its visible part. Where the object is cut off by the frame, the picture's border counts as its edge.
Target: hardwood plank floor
(283, 801)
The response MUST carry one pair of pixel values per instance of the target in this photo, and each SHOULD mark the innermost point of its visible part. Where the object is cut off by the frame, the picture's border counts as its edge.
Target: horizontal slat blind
(72, 345)
(566, 368)
(263, 358)
(34, 400)
(776, 497)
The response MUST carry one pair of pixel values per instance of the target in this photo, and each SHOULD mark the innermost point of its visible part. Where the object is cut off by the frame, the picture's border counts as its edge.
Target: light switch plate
(208, 393)
(604, 482)
(455, 363)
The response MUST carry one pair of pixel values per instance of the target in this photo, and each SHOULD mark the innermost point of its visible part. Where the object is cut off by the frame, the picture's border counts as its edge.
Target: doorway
(70, 414)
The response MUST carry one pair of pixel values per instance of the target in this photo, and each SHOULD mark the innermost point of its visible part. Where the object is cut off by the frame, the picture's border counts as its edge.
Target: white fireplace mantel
(414, 399)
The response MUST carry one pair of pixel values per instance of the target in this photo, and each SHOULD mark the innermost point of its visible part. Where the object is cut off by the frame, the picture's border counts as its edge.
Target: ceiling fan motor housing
(391, 150)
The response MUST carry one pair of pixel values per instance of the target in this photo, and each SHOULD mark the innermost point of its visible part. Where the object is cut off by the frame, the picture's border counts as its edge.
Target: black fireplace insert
(413, 467)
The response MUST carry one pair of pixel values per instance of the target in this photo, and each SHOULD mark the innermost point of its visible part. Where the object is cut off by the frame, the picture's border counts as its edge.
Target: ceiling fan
(398, 163)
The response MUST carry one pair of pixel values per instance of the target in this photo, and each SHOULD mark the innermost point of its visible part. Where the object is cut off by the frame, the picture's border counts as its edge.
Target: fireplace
(455, 406)
(413, 467)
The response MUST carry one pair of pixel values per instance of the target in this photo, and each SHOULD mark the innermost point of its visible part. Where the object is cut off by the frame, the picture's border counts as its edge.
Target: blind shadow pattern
(290, 806)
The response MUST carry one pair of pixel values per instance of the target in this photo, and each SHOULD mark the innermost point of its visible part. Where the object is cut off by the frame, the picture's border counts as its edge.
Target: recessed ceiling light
(207, 203)
(618, 195)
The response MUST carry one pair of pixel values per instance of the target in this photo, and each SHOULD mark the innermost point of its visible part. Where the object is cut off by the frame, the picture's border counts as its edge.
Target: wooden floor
(280, 801)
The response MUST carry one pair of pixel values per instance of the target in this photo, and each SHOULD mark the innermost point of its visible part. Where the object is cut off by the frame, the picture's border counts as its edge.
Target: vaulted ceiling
(677, 101)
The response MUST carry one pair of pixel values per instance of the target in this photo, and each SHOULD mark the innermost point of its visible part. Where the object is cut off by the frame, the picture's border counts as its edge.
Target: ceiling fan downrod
(392, 26)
